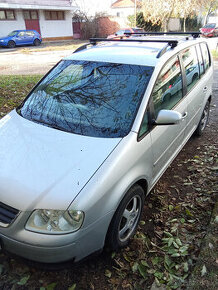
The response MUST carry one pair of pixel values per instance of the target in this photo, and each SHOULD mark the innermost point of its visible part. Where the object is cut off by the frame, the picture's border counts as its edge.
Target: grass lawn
(215, 54)
(13, 89)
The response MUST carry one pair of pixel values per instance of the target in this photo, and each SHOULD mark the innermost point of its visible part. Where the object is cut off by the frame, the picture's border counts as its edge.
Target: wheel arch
(144, 185)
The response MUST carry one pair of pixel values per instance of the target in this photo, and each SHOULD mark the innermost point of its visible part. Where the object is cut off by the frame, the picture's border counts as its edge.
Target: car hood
(41, 167)
(5, 38)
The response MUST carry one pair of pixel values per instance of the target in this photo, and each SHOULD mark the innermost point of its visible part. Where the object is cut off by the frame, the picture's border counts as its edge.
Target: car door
(29, 35)
(198, 83)
(19, 39)
(167, 140)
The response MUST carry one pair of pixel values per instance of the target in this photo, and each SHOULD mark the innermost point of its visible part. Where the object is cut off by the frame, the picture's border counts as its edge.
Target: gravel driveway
(29, 62)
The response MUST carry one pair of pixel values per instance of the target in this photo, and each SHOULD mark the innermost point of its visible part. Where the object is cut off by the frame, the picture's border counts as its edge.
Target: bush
(192, 23)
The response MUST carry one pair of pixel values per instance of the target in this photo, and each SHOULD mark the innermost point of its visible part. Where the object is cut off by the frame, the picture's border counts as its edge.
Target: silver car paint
(44, 162)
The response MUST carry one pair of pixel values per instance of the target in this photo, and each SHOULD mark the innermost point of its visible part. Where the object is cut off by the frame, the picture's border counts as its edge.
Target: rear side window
(205, 55)
(190, 62)
(200, 59)
(168, 88)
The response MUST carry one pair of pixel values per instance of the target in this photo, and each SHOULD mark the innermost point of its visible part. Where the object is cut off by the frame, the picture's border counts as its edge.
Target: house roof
(37, 4)
(125, 4)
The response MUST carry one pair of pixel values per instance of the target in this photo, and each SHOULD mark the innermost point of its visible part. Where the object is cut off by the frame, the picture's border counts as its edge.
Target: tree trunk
(184, 24)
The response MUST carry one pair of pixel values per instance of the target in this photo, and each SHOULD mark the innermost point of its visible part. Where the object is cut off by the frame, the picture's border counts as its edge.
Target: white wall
(6, 26)
(56, 28)
(122, 20)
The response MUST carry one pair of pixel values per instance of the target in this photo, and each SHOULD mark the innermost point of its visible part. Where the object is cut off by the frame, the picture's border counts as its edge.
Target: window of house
(54, 15)
(168, 89)
(30, 14)
(190, 61)
(7, 15)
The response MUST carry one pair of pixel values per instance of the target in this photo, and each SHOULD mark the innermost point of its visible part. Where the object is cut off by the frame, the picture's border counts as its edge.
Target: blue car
(21, 37)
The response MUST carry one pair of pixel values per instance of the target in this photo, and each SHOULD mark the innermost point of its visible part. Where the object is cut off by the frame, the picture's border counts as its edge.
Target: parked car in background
(121, 33)
(209, 30)
(21, 37)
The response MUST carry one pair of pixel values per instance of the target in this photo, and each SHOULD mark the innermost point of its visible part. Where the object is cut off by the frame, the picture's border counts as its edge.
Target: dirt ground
(35, 60)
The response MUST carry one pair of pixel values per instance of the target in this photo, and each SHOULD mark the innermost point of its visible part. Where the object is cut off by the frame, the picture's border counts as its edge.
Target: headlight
(51, 221)
(1, 40)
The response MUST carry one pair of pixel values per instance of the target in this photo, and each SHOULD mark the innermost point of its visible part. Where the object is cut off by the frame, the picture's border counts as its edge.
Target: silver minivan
(90, 141)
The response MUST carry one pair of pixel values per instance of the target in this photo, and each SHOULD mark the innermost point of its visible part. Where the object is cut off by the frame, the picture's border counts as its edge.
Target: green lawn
(215, 54)
(13, 89)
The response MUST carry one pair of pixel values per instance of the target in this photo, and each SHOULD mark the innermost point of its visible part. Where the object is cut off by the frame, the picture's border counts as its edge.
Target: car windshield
(12, 33)
(210, 25)
(137, 30)
(120, 32)
(88, 98)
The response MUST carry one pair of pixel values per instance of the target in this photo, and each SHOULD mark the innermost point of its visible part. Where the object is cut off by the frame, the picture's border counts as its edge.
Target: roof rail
(194, 34)
(172, 43)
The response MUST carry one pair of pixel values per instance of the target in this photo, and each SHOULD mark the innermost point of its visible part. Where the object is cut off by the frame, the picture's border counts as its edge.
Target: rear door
(196, 62)
(167, 94)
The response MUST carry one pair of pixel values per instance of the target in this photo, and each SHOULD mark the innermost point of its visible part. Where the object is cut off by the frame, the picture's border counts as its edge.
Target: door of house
(31, 18)
(76, 30)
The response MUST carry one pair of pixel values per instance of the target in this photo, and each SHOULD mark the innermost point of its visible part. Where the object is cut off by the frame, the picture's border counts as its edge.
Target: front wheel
(11, 44)
(204, 119)
(126, 218)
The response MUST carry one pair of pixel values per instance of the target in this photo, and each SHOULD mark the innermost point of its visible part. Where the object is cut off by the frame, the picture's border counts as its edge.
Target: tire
(204, 120)
(36, 42)
(11, 44)
(126, 218)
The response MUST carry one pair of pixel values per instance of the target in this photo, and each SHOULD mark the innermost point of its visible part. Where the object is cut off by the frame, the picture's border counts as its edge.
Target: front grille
(7, 214)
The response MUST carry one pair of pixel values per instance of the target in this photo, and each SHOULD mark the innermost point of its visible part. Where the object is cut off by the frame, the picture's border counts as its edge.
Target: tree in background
(210, 7)
(160, 11)
(142, 23)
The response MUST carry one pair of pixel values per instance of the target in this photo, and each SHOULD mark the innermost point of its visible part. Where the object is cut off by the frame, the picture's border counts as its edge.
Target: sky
(94, 6)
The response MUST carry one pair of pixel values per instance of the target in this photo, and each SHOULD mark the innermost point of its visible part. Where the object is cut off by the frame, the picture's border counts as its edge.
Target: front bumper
(3, 44)
(55, 248)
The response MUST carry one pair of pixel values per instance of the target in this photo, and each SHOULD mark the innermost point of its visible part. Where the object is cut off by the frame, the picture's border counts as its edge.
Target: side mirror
(168, 117)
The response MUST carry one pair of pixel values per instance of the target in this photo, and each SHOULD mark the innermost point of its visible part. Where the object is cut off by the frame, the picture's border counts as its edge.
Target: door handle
(205, 89)
(184, 115)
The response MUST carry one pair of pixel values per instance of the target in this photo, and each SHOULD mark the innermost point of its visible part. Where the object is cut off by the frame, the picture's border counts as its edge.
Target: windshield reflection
(88, 98)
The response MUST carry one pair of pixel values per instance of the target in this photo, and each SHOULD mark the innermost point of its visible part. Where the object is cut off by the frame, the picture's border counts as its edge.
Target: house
(51, 18)
(121, 9)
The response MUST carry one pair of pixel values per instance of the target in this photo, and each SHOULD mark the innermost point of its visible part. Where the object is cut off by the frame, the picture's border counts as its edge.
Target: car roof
(134, 50)
(22, 30)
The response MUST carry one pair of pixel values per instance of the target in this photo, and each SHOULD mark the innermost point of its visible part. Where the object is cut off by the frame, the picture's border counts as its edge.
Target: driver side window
(168, 88)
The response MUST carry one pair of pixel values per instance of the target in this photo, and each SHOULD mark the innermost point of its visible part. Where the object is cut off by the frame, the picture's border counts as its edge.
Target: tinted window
(200, 59)
(144, 125)
(210, 25)
(21, 34)
(205, 55)
(168, 88)
(30, 33)
(88, 98)
(190, 62)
